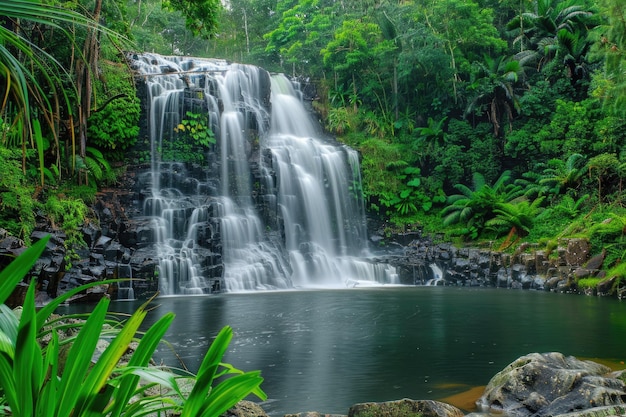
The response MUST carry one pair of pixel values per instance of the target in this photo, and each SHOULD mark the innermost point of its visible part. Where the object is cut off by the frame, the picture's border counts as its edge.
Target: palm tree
(493, 82)
(537, 32)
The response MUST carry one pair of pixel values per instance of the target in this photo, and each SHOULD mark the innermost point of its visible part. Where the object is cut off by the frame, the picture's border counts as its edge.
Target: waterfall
(437, 276)
(125, 289)
(274, 205)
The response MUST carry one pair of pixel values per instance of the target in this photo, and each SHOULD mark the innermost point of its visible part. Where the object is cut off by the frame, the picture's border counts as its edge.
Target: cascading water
(275, 206)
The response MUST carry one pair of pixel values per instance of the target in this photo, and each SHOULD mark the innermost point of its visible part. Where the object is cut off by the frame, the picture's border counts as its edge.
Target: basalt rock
(550, 384)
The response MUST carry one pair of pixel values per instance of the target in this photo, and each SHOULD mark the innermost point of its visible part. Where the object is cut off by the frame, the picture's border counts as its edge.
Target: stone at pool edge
(399, 408)
(552, 384)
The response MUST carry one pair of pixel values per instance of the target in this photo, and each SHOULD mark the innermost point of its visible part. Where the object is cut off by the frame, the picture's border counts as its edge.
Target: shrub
(17, 205)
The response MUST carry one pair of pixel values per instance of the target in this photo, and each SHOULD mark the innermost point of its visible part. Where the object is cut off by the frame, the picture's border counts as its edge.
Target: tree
(611, 46)
(544, 29)
(353, 55)
(467, 31)
(494, 84)
(304, 29)
(200, 15)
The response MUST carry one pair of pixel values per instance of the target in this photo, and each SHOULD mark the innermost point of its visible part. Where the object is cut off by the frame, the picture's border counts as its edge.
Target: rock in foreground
(405, 408)
(551, 384)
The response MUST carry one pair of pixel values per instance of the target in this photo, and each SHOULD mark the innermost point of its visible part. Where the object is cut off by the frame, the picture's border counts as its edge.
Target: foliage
(192, 142)
(200, 15)
(39, 92)
(114, 125)
(475, 206)
(195, 127)
(588, 283)
(611, 47)
(35, 382)
(69, 215)
(604, 169)
(517, 217)
(17, 205)
(339, 120)
(411, 197)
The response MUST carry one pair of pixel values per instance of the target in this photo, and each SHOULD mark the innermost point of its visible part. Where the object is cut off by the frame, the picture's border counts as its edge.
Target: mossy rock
(405, 408)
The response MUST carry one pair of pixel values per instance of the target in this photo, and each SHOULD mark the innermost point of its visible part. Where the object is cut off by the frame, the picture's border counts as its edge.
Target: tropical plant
(561, 175)
(339, 120)
(38, 90)
(518, 216)
(493, 83)
(411, 197)
(192, 140)
(473, 207)
(570, 207)
(611, 47)
(35, 381)
(114, 123)
(432, 135)
(604, 169)
(17, 204)
(195, 127)
(537, 31)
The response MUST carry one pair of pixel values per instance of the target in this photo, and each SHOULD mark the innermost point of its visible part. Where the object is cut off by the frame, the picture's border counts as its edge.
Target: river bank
(120, 243)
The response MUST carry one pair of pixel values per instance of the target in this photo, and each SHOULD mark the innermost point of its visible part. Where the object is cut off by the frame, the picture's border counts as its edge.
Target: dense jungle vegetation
(487, 120)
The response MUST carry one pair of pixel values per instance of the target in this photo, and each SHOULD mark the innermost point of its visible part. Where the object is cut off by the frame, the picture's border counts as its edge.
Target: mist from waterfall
(283, 200)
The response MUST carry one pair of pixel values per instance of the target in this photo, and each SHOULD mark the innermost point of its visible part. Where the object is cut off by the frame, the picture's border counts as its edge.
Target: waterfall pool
(324, 350)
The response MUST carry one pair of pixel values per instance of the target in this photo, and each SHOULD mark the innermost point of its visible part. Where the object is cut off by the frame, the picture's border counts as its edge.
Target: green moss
(588, 283)
(394, 409)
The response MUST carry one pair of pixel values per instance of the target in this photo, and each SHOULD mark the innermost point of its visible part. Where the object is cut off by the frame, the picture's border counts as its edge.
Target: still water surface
(325, 350)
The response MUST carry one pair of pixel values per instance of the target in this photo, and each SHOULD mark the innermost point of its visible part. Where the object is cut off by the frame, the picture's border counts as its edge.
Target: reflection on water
(326, 350)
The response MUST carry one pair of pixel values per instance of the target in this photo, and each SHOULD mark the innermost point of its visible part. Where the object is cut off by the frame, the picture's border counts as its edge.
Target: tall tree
(543, 30)
(201, 16)
(468, 33)
(354, 55)
(611, 46)
(493, 82)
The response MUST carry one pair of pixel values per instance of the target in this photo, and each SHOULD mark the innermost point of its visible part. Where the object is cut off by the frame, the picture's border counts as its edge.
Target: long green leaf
(141, 357)
(44, 313)
(28, 362)
(229, 392)
(17, 270)
(79, 359)
(47, 404)
(7, 383)
(206, 373)
(40, 145)
(8, 329)
(102, 370)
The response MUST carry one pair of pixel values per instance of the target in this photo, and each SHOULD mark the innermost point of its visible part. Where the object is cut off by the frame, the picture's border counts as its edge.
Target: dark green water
(325, 350)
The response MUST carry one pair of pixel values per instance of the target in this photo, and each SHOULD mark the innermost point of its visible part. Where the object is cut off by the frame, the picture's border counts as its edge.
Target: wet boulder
(550, 384)
(405, 407)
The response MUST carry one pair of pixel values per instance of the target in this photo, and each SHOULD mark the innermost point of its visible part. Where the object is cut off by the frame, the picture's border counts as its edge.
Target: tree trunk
(245, 28)
(86, 69)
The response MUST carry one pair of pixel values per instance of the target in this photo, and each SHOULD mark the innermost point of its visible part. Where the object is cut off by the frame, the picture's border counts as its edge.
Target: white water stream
(285, 202)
